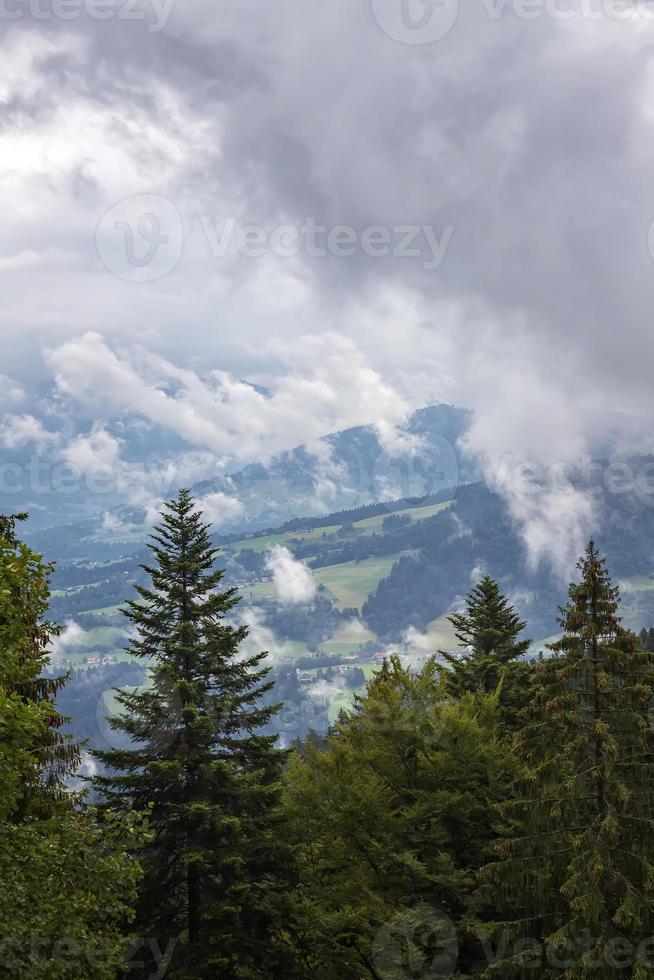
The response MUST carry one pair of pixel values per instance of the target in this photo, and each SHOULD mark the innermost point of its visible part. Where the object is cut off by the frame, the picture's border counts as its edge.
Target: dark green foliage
(576, 875)
(494, 816)
(199, 763)
(66, 881)
(394, 811)
(491, 651)
(24, 638)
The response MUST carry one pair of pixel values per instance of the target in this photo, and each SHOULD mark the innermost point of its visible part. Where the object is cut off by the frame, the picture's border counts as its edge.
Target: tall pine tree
(576, 876)
(491, 649)
(199, 761)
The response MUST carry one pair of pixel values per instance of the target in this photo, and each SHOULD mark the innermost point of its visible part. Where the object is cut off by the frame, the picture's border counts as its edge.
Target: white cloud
(97, 452)
(538, 317)
(293, 580)
(419, 644)
(219, 508)
(261, 637)
(324, 691)
(73, 637)
(325, 385)
(23, 430)
(113, 524)
(11, 392)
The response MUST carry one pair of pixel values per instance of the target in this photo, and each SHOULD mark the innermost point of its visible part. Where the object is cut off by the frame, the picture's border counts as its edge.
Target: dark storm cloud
(531, 139)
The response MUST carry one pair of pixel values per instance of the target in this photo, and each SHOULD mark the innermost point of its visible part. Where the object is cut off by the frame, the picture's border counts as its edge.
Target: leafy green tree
(24, 639)
(199, 760)
(67, 888)
(393, 813)
(575, 880)
(492, 654)
(65, 879)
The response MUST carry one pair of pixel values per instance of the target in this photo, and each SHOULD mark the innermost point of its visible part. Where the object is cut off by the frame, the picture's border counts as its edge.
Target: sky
(248, 224)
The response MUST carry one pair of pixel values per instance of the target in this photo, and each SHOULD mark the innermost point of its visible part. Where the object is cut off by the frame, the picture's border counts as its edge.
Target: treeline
(485, 816)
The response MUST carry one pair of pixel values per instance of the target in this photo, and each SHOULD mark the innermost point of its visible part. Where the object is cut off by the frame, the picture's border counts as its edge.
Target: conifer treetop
(489, 619)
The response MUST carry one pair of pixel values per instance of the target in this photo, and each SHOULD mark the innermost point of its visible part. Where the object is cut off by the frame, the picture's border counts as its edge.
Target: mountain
(349, 469)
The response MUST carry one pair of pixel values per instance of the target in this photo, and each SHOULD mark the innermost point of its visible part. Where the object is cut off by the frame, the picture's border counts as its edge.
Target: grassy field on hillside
(369, 525)
(348, 639)
(352, 582)
(373, 524)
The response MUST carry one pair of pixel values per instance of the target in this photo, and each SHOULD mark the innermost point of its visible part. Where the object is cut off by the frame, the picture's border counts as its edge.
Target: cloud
(24, 430)
(98, 451)
(533, 137)
(11, 392)
(261, 637)
(325, 385)
(293, 580)
(219, 508)
(324, 691)
(73, 637)
(113, 524)
(419, 644)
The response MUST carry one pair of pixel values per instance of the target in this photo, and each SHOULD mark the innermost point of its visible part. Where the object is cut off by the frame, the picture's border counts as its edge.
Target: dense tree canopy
(480, 815)
(67, 884)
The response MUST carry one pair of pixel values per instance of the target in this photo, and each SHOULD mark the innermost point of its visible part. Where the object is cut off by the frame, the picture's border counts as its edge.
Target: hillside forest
(486, 813)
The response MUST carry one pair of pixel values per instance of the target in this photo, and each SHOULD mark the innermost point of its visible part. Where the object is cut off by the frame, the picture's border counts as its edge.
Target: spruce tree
(489, 636)
(198, 760)
(576, 875)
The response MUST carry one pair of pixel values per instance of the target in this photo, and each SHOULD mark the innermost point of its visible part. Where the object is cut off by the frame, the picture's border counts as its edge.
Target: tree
(576, 879)
(391, 815)
(198, 758)
(488, 633)
(24, 639)
(66, 880)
